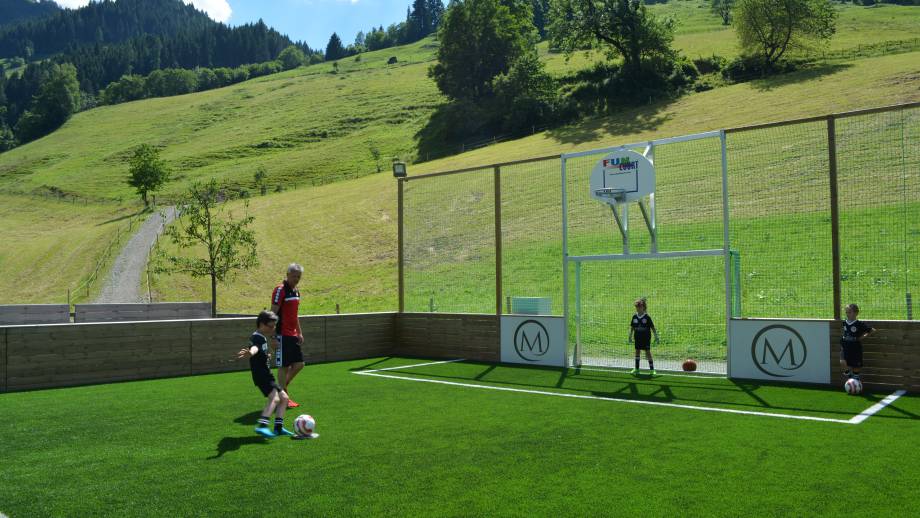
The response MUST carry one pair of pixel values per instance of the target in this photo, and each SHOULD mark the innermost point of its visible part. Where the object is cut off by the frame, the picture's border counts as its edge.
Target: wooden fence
(45, 356)
(25, 314)
(137, 312)
(891, 355)
(59, 355)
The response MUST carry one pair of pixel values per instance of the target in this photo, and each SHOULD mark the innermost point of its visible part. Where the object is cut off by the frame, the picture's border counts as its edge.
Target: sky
(312, 21)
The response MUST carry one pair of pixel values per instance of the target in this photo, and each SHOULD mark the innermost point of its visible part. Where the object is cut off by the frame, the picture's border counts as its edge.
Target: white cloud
(217, 9)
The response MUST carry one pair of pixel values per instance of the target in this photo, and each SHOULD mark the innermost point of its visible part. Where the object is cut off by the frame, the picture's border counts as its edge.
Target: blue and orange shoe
(265, 431)
(284, 432)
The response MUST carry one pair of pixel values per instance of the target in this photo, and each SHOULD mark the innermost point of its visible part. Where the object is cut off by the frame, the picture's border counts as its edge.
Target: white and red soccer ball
(304, 425)
(853, 386)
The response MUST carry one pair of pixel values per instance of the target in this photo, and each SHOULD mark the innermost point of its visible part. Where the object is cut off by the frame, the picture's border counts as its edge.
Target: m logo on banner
(778, 351)
(531, 340)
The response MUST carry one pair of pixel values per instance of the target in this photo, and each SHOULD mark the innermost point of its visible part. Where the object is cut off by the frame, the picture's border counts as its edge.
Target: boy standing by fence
(851, 350)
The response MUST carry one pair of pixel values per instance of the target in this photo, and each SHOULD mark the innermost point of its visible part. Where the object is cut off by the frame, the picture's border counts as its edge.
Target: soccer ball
(304, 425)
(689, 365)
(853, 386)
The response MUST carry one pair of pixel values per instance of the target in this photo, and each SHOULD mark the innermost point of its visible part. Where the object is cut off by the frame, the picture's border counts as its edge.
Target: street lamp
(399, 169)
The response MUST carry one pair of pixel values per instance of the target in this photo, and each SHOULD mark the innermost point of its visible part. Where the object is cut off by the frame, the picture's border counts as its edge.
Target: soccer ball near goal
(689, 365)
(304, 425)
(853, 386)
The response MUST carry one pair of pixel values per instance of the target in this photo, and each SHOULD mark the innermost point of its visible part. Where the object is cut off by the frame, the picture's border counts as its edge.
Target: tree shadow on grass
(618, 122)
(800, 76)
(228, 444)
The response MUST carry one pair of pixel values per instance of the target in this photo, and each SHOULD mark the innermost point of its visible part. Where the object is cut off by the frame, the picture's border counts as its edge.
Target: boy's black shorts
(290, 351)
(644, 345)
(852, 354)
(267, 385)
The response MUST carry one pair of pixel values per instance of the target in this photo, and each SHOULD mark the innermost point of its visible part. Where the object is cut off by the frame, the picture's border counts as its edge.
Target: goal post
(615, 256)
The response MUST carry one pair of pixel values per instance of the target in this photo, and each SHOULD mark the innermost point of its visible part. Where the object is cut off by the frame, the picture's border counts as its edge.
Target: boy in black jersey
(257, 352)
(851, 351)
(641, 328)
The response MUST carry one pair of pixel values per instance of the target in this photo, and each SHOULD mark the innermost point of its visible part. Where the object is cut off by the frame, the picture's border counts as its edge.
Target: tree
(147, 172)
(525, 96)
(540, 16)
(58, 98)
(334, 49)
(723, 8)
(624, 28)
(205, 221)
(375, 154)
(259, 176)
(769, 28)
(292, 57)
(480, 39)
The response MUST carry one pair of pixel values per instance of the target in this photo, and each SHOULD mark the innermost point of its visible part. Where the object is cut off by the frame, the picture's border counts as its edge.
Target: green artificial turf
(185, 447)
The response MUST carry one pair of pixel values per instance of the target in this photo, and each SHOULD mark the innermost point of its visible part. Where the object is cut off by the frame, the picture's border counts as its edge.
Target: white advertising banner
(533, 340)
(779, 350)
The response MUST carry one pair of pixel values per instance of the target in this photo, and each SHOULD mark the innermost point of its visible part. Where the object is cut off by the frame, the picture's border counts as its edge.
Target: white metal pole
(565, 260)
(726, 253)
(576, 356)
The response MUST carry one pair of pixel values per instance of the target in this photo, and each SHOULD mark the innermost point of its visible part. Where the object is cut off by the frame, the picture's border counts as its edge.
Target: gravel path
(123, 284)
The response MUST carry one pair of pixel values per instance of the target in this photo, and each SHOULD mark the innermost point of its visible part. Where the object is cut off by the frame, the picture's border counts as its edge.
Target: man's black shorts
(852, 354)
(267, 385)
(290, 351)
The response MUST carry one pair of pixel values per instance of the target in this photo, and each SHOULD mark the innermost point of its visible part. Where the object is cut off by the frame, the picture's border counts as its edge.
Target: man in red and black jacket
(285, 302)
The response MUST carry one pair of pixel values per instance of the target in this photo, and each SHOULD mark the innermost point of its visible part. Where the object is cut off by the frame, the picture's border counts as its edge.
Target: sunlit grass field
(457, 439)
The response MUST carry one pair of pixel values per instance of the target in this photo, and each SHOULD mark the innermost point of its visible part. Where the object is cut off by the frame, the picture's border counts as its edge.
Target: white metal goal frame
(648, 213)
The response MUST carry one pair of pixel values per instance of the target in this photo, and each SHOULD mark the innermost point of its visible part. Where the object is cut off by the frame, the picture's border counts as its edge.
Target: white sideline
(865, 414)
(874, 409)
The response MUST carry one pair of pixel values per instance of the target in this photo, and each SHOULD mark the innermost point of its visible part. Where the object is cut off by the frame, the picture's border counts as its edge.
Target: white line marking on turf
(408, 366)
(874, 409)
(622, 370)
(634, 401)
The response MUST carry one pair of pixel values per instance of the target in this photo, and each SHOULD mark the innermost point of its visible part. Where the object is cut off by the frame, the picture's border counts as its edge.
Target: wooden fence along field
(59, 355)
(26, 314)
(137, 312)
(45, 356)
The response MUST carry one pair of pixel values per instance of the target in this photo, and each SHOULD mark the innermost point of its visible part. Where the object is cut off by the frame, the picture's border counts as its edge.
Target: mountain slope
(14, 11)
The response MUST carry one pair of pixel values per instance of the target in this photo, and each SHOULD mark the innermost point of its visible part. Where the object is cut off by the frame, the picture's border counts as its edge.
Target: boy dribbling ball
(257, 352)
(641, 328)
(851, 350)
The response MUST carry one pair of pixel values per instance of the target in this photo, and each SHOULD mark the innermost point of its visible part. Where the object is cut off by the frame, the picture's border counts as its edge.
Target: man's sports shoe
(653, 372)
(293, 404)
(634, 372)
(265, 431)
(284, 432)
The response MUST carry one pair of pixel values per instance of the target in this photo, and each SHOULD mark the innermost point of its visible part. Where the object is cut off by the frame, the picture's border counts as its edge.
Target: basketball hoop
(611, 193)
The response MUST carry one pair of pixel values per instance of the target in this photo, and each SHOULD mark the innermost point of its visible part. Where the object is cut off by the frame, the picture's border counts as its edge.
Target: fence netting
(449, 246)
(779, 213)
(878, 163)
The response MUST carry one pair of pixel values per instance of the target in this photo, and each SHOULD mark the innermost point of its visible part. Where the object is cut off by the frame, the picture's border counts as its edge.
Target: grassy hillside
(310, 125)
(51, 246)
(345, 233)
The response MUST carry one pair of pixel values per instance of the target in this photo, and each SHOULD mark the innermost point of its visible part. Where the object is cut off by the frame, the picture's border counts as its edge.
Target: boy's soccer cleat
(653, 372)
(284, 433)
(265, 431)
(293, 404)
(634, 372)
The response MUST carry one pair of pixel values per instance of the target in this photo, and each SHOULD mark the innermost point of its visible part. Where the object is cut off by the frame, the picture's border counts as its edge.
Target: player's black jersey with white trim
(258, 362)
(853, 330)
(642, 325)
